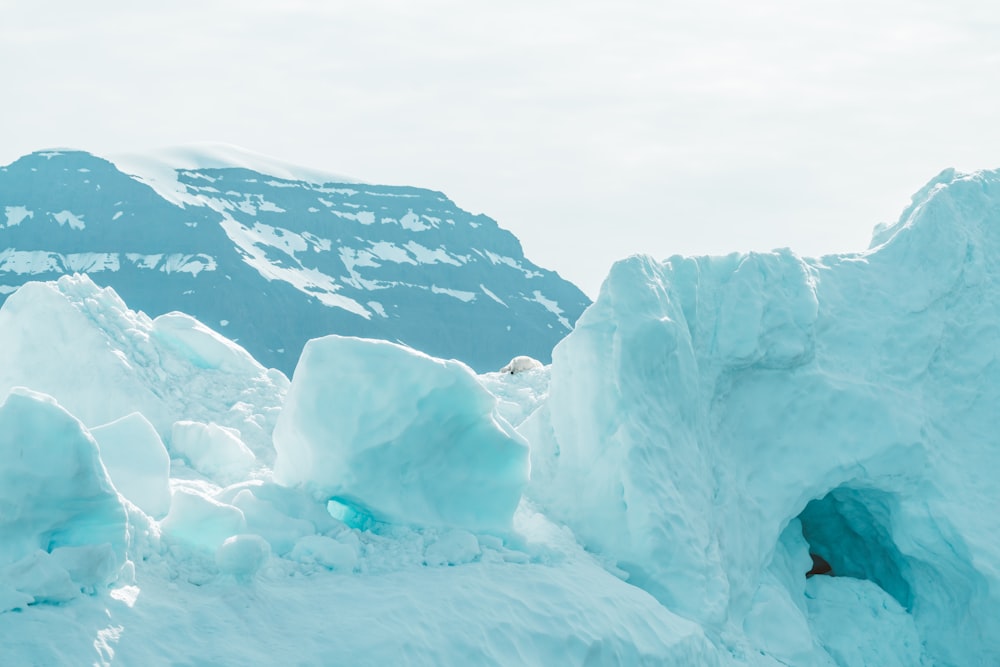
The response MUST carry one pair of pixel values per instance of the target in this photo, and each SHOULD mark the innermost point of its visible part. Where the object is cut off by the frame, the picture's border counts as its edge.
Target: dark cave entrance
(849, 529)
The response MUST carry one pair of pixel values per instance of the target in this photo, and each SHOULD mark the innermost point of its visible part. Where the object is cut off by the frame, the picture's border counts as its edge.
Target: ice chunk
(399, 435)
(242, 555)
(62, 523)
(203, 347)
(102, 361)
(213, 450)
(137, 462)
(200, 521)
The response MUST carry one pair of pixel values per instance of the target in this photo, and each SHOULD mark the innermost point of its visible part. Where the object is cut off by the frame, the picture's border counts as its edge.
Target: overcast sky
(592, 130)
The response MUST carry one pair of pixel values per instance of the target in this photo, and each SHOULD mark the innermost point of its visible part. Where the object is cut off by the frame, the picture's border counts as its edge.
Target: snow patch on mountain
(159, 168)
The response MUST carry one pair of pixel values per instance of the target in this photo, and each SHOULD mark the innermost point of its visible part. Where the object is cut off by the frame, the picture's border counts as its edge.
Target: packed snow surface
(712, 427)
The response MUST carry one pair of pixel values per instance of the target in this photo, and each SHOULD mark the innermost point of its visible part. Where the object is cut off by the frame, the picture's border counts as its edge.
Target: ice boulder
(63, 525)
(399, 436)
(200, 521)
(137, 462)
(82, 345)
(213, 450)
(242, 555)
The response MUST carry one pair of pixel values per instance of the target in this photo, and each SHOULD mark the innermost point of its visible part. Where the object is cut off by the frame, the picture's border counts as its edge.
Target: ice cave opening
(850, 530)
(863, 614)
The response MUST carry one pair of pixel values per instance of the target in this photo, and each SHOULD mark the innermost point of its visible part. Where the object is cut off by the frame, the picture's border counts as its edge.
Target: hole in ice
(350, 516)
(849, 531)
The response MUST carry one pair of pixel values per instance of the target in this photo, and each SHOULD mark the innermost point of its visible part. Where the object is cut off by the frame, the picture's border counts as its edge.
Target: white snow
(69, 218)
(461, 295)
(492, 295)
(398, 435)
(34, 262)
(425, 255)
(159, 168)
(253, 243)
(17, 214)
(552, 307)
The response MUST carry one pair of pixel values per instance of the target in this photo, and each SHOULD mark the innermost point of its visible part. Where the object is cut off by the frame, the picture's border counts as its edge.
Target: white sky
(591, 129)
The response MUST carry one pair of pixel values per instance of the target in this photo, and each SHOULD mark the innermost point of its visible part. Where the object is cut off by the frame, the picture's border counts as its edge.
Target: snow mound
(83, 346)
(137, 462)
(63, 525)
(400, 436)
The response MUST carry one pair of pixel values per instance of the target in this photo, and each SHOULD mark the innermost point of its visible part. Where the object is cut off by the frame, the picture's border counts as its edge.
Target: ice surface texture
(62, 524)
(701, 404)
(400, 436)
(102, 361)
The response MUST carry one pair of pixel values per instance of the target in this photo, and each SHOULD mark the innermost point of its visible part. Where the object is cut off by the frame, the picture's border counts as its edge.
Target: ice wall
(702, 404)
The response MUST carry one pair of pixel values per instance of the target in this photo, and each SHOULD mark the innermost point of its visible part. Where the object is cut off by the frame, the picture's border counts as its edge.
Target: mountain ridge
(276, 261)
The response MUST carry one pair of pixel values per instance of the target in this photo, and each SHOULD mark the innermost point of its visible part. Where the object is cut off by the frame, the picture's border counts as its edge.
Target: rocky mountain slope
(273, 255)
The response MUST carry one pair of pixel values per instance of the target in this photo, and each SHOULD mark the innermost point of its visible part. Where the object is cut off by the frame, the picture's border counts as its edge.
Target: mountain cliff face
(274, 257)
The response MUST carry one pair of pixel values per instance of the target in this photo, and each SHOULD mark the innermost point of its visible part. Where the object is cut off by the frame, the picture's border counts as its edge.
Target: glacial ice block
(399, 435)
(62, 524)
(137, 462)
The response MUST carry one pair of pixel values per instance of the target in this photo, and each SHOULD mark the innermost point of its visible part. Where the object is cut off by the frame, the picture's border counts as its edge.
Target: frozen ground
(711, 426)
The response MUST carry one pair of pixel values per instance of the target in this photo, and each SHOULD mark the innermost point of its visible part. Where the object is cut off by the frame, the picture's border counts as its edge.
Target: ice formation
(702, 406)
(102, 361)
(710, 427)
(399, 436)
(64, 527)
(137, 462)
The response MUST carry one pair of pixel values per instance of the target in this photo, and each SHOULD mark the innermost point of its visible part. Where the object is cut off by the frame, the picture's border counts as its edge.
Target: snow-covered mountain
(273, 254)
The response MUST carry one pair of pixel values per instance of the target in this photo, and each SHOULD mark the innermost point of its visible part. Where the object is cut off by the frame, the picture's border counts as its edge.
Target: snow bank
(63, 526)
(137, 462)
(705, 407)
(401, 436)
(82, 345)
